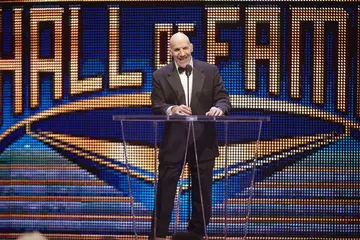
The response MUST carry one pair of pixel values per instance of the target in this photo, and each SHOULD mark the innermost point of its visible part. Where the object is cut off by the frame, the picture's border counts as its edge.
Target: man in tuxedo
(170, 95)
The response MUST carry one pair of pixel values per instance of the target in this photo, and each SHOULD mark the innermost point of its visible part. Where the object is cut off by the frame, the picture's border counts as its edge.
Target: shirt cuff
(168, 111)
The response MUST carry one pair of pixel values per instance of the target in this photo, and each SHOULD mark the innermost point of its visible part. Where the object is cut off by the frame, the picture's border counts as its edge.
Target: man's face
(180, 50)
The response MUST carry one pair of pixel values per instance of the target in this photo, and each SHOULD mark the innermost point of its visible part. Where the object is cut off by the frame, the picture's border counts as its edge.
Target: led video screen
(68, 67)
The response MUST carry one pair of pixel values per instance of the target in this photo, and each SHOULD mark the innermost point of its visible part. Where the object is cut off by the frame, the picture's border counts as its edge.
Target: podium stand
(156, 119)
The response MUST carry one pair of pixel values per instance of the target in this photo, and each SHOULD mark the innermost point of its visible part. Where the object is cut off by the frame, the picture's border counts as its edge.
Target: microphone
(188, 70)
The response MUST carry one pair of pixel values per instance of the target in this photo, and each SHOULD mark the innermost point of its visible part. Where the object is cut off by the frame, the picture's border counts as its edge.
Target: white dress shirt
(183, 80)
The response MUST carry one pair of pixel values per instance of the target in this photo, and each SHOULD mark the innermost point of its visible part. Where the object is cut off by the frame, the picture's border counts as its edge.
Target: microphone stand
(188, 70)
(188, 92)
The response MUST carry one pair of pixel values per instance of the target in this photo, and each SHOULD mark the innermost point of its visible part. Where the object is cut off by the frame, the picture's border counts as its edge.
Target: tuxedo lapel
(175, 83)
(198, 82)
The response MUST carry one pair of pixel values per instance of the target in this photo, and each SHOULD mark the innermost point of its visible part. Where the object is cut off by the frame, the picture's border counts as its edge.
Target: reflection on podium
(223, 189)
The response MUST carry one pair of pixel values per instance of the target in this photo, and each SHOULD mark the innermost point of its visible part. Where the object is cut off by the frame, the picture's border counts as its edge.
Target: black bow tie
(181, 70)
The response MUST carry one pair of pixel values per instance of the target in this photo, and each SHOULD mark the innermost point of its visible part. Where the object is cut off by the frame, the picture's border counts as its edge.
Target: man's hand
(182, 110)
(214, 111)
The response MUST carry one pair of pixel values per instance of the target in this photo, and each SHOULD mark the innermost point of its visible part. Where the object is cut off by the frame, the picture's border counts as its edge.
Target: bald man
(170, 96)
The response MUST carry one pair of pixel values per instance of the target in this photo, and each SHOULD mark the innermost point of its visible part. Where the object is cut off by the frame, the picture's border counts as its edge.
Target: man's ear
(191, 47)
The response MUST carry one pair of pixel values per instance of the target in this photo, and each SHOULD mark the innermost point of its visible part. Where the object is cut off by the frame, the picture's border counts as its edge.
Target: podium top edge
(191, 118)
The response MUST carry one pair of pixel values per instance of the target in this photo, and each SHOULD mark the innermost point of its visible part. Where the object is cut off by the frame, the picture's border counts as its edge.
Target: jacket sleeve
(158, 104)
(221, 96)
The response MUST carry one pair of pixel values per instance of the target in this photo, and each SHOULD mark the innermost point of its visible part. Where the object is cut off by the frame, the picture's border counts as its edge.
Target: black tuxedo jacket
(207, 91)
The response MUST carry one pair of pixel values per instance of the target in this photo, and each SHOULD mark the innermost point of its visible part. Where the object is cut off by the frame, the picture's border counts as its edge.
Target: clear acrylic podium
(225, 120)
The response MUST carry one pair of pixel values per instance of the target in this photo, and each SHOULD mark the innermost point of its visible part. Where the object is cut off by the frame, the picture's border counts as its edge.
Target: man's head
(181, 49)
